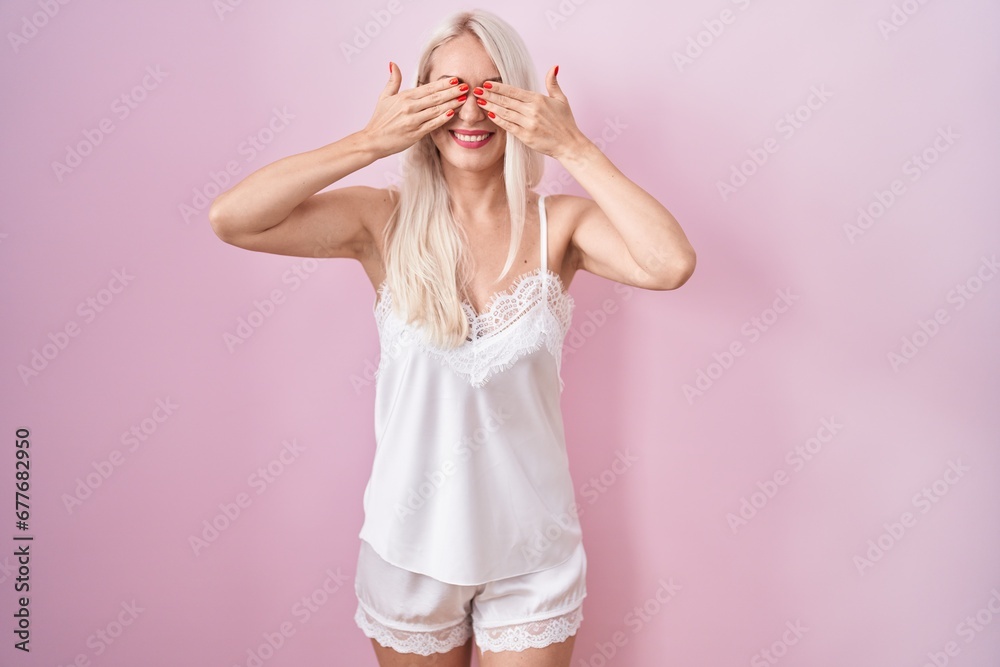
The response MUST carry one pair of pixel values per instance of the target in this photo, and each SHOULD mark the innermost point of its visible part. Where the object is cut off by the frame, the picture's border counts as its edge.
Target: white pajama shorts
(414, 613)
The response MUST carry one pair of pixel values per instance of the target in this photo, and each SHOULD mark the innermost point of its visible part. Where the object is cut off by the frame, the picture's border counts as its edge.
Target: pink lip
(471, 144)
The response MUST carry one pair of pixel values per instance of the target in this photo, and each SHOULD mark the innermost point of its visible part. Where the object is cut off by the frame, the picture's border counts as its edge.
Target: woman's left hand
(542, 122)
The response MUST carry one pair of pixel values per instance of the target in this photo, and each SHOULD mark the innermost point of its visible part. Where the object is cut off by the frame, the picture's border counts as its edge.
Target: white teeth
(466, 137)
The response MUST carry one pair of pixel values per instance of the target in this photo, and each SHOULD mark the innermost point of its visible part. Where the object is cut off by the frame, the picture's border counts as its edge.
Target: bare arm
(623, 233)
(276, 209)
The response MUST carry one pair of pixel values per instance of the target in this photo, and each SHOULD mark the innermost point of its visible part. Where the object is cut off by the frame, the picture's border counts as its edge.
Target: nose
(470, 111)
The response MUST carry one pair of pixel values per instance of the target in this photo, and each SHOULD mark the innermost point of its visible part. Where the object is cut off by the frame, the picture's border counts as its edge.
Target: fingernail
(449, 112)
(557, 71)
(454, 80)
(390, 67)
(478, 91)
(464, 87)
(487, 85)
(481, 102)
(491, 114)
(463, 98)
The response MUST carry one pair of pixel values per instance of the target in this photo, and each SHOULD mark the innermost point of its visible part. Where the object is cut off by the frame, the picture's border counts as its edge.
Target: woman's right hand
(401, 119)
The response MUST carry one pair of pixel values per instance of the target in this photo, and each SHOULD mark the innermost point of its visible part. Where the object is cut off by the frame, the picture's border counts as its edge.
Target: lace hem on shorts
(534, 634)
(421, 643)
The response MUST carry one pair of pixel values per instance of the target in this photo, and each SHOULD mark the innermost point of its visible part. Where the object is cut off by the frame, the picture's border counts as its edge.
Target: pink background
(304, 374)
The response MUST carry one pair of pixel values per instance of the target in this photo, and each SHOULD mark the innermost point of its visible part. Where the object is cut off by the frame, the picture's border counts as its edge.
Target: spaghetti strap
(544, 234)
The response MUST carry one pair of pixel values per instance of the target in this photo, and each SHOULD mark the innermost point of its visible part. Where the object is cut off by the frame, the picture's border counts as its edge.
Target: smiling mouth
(471, 140)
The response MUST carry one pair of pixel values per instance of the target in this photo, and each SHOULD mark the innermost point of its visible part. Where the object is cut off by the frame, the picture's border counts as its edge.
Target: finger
(504, 118)
(434, 123)
(392, 85)
(433, 92)
(552, 84)
(443, 95)
(440, 111)
(504, 98)
(507, 90)
(507, 109)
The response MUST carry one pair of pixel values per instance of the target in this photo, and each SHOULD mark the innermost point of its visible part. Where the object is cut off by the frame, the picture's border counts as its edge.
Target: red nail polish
(390, 67)
(481, 102)
(464, 87)
(454, 80)
(478, 91)
(487, 85)
(463, 98)
(557, 71)
(449, 112)
(491, 114)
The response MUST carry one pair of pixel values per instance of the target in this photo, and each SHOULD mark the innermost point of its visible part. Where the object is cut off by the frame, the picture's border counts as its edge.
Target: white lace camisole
(470, 482)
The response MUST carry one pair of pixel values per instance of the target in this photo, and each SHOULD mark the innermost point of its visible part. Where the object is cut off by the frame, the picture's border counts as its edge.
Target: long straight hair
(427, 262)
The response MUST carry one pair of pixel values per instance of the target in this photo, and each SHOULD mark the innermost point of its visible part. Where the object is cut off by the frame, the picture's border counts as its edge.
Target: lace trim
(488, 352)
(421, 643)
(536, 634)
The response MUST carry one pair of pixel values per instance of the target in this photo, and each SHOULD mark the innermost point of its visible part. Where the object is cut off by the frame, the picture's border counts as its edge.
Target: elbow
(680, 272)
(218, 222)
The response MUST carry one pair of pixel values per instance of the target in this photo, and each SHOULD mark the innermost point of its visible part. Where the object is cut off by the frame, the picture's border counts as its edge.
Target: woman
(470, 523)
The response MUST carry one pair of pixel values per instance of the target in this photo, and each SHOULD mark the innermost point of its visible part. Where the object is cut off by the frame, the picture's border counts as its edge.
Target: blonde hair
(428, 266)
